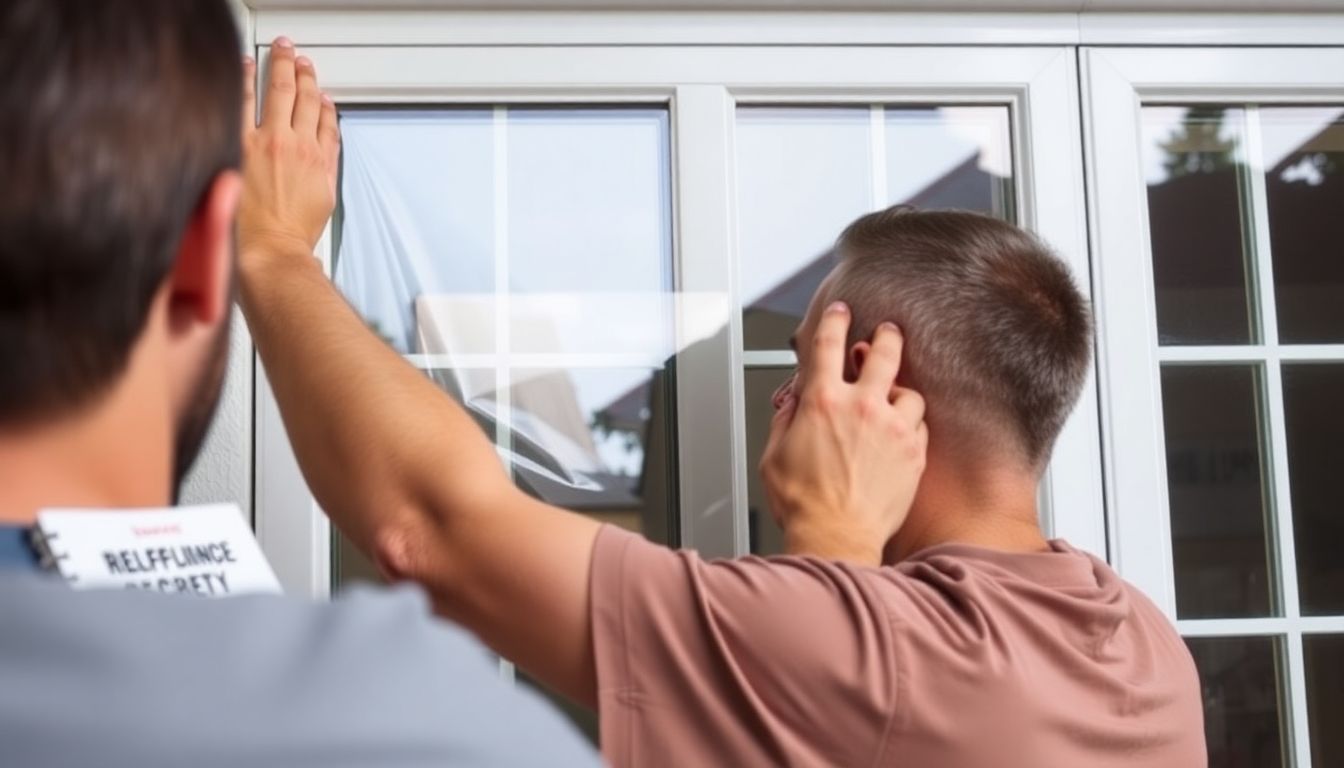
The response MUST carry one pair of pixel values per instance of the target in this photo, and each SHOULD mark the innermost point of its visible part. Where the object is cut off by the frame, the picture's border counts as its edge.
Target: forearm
(370, 432)
(410, 477)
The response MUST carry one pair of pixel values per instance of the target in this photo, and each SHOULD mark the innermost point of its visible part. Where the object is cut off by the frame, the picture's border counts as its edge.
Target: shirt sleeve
(779, 661)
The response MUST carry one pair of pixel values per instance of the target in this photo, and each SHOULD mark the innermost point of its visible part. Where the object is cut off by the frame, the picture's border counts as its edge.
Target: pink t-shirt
(958, 657)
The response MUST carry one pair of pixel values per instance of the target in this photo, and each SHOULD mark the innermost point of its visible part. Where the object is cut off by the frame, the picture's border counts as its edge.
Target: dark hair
(997, 334)
(115, 117)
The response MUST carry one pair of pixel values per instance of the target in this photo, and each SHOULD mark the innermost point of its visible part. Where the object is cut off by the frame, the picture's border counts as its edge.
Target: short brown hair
(998, 337)
(115, 117)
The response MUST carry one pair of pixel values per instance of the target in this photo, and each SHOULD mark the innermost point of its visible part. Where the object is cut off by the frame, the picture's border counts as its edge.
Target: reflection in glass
(1304, 184)
(573, 210)
(804, 173)
(1242, 681)
(594, 441)
(1325, 697)
(764, 536)
(1315, 428)
(417, 220)
(1197, 192)
(589, 230)
(950, 157)
(1218, 492)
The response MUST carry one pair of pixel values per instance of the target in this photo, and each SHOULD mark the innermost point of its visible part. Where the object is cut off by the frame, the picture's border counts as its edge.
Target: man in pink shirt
(922, 619)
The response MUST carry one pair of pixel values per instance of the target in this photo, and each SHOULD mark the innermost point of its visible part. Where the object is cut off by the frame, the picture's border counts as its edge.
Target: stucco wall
(223, 471)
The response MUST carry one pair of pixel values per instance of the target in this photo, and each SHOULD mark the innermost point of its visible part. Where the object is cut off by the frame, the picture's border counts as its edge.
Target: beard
(194, 424)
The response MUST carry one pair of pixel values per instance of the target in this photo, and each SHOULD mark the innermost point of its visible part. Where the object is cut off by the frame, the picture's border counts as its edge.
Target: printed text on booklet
(207, 550)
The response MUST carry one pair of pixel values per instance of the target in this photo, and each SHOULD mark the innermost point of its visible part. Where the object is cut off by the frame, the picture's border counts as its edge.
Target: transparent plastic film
(559, 345)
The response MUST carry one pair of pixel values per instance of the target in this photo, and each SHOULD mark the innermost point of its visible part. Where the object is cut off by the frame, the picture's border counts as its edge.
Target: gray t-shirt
(138, 679)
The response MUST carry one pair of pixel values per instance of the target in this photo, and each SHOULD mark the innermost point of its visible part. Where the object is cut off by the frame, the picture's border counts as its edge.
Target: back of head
(997, 334)
(115, 117)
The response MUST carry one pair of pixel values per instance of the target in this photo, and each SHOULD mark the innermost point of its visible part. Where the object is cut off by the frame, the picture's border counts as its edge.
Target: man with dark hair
(922, 618)
(119, 181)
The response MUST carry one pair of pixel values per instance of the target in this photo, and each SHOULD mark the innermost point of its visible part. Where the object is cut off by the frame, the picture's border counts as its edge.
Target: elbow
(411, 550)
(395, 554)
(441, 544)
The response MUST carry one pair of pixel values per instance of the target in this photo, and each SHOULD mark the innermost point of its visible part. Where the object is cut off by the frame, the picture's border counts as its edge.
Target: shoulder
(253, 676)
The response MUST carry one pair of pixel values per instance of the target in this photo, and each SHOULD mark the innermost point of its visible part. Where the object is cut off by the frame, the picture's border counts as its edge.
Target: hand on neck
(114, 450)
(967, 503)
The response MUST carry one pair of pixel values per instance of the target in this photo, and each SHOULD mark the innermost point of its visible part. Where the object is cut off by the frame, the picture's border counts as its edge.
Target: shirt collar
(16, 549)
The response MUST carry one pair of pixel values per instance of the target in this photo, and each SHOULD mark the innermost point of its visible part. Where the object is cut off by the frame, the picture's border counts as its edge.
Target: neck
(987, 507)
(115, 451)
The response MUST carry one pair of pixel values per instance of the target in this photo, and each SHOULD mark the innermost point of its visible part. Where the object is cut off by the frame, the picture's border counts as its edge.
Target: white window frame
(702, 85)
(1116, 83)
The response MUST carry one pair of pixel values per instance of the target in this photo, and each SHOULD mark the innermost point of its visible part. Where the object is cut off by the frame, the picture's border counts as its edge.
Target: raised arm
(400, 468)
(408, 475)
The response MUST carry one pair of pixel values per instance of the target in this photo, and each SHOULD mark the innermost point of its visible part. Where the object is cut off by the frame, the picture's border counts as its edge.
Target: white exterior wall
(223, 471)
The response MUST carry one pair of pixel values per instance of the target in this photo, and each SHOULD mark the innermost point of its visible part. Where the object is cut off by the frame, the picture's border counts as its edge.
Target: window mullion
(1282, 522)
(877, 138)
(503, 402)
(711, 433)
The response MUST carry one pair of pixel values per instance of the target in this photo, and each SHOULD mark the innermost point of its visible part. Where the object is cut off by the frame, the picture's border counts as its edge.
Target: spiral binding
(48, 559)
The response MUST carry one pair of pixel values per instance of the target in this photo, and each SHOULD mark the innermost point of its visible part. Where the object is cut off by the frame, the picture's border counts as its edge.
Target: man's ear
(857, 355)
(199, 284)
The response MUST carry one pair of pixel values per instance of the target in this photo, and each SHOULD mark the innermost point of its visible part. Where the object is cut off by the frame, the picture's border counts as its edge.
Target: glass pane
(589, 230)
(1217, 490)
(1193, 162)
(802, 175)
(1304, 183)
(417, 222)
(595, 441)
(523, 256)
(764, 536)
(950, 157)
(805, 173)
(1315, 427)
(1325, 697)
(1242, 680)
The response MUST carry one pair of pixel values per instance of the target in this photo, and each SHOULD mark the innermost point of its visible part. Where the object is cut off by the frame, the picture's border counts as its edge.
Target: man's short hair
(115, 118)
(997, 334)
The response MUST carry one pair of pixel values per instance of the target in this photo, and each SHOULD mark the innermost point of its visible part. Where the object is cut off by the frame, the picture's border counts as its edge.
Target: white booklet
(206, 550)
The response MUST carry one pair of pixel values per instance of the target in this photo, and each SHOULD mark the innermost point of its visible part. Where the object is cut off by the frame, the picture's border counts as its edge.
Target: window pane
(765, 538)
(1242, 680)
(802, 175)
(595, 441)
(1315, 428)
(950, 157)
(1217, 490)
(589, 230)
(523, 257)
(416, 220)
(1193, 159)
(1325, 697)
(805, 173)
(1304, 182)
